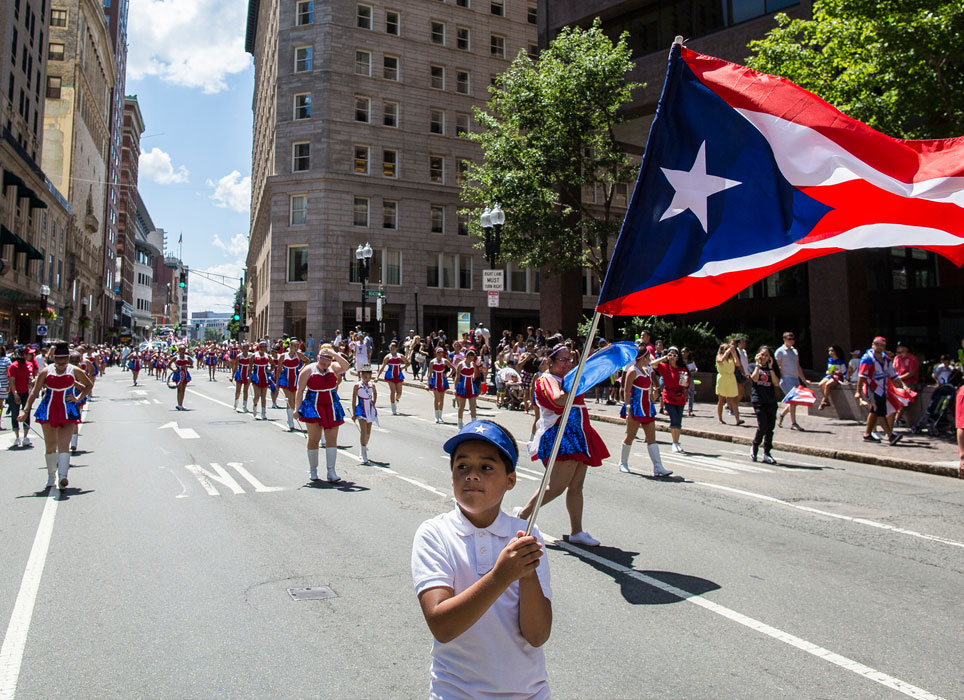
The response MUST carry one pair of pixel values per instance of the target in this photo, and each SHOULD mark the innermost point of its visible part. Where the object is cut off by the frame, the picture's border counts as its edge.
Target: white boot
(264, 416)
(364, 454)
(658, 468)
(291, 420)
(438, 416)
(460, 423)
(394, 408)
(73, 442)
(63, 464)
(331, 454)
(624, 458)
(235, 405)
(313, 465)
(244, 406)
(51, 460)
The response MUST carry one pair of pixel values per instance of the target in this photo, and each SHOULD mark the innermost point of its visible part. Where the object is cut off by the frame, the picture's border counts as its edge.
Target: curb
(847, 455)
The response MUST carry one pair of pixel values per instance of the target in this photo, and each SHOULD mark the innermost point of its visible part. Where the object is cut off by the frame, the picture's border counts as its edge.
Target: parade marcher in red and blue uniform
(134, 364)
(638, 410)
(438, 382)
(261, 366)
(241, 369)
(181, 376)
(364, 413)
(468, 374)
(392, 365)
(319, 407)
(57, 412)
(211, 357)
(289, 365)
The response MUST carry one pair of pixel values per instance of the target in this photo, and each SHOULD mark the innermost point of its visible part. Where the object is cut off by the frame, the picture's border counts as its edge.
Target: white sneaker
(660, 470)
(676, 447)
(26, 441)
(583, 538)
(624, 468)
(18, 443)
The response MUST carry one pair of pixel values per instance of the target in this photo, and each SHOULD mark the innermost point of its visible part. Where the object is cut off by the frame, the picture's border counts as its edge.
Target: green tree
(548, 131)
(897, 65)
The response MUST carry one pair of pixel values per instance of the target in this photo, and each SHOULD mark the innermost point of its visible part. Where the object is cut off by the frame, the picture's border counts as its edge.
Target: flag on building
(800, 396)
(746, 174)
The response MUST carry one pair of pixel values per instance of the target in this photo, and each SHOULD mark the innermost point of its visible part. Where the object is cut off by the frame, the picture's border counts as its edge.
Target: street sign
(374, 292)
(368, 313)
(41, 329)
(494, 299)
(493, 280)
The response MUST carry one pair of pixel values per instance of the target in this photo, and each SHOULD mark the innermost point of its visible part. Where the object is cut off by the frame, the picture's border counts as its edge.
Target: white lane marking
(249, 477)
(139, 392)
(177, 476)
(790, 460)
(781, 636)
(222, 477)
(838, 516)
(183, 433)
(14, 641)
(416, 482)
(534, 473)
(156, 401)
(711, 464)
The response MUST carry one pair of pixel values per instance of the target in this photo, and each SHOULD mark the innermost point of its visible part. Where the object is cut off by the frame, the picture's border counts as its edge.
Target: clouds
(156, 165)
(207, 295)
(238, 245)
(190, 43)
(232, 192)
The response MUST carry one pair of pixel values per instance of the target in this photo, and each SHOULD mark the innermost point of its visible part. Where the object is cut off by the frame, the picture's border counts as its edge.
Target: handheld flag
(601, 365)
(746, 174)
(800, 396)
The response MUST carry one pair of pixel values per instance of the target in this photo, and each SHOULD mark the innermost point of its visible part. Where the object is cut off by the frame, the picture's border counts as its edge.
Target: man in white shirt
(363, 352)
(791, 375)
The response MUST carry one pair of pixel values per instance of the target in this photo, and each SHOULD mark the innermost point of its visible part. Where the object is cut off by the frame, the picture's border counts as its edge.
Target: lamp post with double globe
(492, 220)
(363, 254)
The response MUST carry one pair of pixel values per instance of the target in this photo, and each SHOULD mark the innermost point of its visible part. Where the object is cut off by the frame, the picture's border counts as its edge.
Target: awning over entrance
(10, 178)
(8, 237)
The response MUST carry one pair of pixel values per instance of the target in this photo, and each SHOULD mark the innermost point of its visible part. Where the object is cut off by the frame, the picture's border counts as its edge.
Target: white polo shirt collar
(501, 527)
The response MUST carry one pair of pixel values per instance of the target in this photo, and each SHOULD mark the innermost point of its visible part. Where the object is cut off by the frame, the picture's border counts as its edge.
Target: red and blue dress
(259, 370)
(437, 380)
(211, 358)
(466, 385)
(134, 363)
(321, 404)
(54, 409)
(393, 372)
(181, 375)
(289, 368)
(241, 374)
(640, 407)
(580, 441)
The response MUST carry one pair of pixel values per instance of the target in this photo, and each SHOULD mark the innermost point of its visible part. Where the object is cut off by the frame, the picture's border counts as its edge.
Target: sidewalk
(828, 437)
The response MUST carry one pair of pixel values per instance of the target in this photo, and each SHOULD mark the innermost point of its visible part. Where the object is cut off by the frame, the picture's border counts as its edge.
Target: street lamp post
(492, 220)
(363, 254)
(44, 293)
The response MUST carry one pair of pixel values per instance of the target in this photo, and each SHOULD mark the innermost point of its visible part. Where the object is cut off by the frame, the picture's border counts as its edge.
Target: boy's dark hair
(509, 466)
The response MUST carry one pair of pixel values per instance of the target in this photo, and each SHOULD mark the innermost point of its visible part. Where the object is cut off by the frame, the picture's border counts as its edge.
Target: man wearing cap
(908, 369)
(875, 373)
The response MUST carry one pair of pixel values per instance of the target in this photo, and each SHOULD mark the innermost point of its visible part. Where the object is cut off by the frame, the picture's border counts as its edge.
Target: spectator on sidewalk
(853, 367)
(690, 363)
(310, 343)
(908, 369)
(836, 374)
(727, 389)
(943, 371)
(764, 378)
(876, 372)
(959, 424)
(791, 375)
(742, 368)
(675, 380)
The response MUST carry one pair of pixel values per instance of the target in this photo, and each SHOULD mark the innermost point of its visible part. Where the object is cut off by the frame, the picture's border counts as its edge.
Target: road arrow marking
(183, 433)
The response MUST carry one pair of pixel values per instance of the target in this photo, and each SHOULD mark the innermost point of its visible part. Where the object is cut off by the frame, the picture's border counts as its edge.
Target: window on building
(463, 3)
(390, 114)
(299, 209)
(305, 12)
(497, 46)
(438, 219)
(393, 22)
(363, 62)
(389, 214)
(438, 77)
(58, 18)
(461, 124)
(438, 33)
(360, 211)
(462, 40)
(461, 171)
(463, 225)
(302, 59)
(533, 51)
(436, 168)
(391, 266)
(53, 87)
(363, 16)
(620, 196)
(298, 263)
(361, 159)
(303, 105)
(389, 162)
(363, 109)
(437, 121)
(497, 7)
(301, 156)
(462, 80)
(55, 52)
(390, 68)
(449, 271)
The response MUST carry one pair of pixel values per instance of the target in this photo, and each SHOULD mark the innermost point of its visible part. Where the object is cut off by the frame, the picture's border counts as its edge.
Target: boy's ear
(510, 481)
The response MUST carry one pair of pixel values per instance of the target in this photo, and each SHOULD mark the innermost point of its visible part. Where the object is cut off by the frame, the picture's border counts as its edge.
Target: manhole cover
(312, 593)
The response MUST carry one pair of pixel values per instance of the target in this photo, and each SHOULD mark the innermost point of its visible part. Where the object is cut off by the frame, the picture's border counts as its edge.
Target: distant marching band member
(393, 375)
(468, 373)
(288, 367)
(211, 356)
(57, 411)
(260, 366)
(438, 382)
(242, 376)
(364, 413)
(134, 364)
(273, 376)
(181, 376)
(319, 407)
(639, 410)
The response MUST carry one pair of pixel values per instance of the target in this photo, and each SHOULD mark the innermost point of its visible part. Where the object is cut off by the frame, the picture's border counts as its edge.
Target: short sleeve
(431, 564)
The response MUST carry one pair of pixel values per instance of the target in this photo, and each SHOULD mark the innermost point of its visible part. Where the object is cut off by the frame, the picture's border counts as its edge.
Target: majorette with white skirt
(241, 367)
(468, 373)
(261, 366)
(134, 364)
(581, 446)
(638, 410)
(438, 381)
(211, 356)
(58, 412)
(181, 376)
(289, 366)
(320, 408)
(392, 365)
(364, 413)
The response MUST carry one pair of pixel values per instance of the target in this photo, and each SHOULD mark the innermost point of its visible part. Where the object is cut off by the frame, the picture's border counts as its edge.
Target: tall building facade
(120, 303)
(360, 111)
(126, 213)
(145, 252)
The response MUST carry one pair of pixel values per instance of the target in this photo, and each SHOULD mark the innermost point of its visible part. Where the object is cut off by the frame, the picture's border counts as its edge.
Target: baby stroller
(939, 416)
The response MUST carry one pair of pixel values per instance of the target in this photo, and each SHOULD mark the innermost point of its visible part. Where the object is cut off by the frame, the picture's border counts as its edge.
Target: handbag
(420, 357)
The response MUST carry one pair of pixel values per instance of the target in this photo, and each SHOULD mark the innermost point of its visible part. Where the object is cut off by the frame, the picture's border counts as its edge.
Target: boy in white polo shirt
(482, 586)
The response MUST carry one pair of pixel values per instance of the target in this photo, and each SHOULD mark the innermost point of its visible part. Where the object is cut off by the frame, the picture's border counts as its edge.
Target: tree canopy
(897, 65)
(547, 132)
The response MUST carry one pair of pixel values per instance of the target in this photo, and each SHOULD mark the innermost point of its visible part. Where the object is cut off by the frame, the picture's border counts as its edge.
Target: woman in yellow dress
(727, 390)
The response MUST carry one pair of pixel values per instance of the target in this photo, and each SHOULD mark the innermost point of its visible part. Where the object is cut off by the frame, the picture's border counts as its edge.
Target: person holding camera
(764, 378)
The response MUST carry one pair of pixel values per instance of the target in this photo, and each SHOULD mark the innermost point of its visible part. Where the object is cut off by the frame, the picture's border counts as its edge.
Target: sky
(193, 81)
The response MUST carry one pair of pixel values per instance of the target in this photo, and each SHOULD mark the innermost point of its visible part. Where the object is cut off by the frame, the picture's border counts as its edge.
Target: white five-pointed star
(480, 428)
(693, 188)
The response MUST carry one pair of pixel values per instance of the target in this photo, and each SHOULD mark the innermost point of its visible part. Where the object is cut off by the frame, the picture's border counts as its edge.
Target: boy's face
(479, 480)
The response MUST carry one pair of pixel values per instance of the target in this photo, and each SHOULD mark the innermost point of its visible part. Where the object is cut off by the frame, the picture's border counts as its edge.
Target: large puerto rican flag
(745, 174)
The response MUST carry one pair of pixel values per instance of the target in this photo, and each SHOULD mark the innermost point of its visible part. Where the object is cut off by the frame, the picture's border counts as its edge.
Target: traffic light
(182, 280)
(197, 326)
(237, 312)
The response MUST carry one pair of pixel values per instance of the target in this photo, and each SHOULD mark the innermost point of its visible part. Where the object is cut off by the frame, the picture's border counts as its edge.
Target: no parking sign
(41, 329)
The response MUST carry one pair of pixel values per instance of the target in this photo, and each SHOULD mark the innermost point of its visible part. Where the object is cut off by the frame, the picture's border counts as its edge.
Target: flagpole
(570, 397)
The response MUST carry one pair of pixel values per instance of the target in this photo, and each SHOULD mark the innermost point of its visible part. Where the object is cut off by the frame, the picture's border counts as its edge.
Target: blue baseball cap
(488, 431)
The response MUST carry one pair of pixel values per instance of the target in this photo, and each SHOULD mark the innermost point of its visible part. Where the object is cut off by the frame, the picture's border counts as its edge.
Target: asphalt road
(171, 554)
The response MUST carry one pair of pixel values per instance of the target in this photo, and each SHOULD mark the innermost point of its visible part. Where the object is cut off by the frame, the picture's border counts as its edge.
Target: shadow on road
(343, 485)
